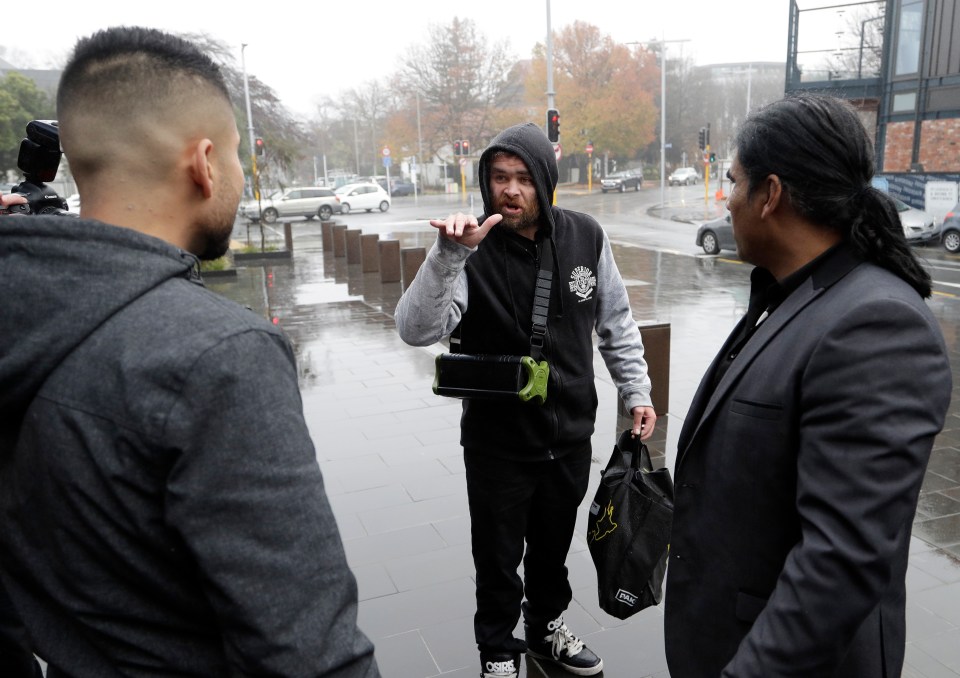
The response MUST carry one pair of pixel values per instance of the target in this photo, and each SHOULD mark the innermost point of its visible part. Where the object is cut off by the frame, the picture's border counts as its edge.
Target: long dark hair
(819, 149)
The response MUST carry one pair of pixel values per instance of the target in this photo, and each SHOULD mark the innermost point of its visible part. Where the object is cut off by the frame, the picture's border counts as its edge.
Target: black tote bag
(628, 532)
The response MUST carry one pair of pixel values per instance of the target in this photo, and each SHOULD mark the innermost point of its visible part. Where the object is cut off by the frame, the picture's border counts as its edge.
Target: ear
(201, 168)
(773, 190)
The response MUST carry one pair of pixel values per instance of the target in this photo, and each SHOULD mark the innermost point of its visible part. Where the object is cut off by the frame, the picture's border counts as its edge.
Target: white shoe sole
(586, 671)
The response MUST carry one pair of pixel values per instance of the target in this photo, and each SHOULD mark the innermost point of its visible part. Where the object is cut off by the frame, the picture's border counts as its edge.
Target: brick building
(899, 62)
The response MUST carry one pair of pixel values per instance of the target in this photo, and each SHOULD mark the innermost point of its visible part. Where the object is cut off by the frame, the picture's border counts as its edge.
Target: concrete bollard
(389, 260)
(288, 236)
(326, 235)
(352, 237)
(656, 351)
(410, 260)
(339, 240)
(369, 253)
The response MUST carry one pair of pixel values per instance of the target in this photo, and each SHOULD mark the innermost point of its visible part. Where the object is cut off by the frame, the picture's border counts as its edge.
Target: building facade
(899, 62)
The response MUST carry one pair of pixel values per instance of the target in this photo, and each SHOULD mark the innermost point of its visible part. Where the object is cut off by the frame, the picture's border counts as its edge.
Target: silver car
(918, 226)
(299, 201)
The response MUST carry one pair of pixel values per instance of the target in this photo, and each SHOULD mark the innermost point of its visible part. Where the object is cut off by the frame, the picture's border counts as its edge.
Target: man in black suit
(801, 459)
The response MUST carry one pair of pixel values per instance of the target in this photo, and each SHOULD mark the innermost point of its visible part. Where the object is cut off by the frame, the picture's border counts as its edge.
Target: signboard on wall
(941, 197)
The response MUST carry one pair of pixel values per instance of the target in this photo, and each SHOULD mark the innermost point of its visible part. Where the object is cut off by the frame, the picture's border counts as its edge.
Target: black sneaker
(560, 646)
(499, 665)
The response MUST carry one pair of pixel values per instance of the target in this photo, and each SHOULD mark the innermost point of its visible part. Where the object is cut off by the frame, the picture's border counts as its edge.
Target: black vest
(501, 278)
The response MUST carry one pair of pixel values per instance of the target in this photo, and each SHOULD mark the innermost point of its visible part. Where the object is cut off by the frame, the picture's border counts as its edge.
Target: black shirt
(766, 294)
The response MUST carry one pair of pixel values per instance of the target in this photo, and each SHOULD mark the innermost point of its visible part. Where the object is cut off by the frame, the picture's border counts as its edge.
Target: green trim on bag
(537, 376)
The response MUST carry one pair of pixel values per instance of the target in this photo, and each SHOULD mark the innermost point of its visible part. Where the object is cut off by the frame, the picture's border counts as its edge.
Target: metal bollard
(339, 240)
(410, 260)
(369, 253)
(352, 237)
(288, 236)
(389, 260)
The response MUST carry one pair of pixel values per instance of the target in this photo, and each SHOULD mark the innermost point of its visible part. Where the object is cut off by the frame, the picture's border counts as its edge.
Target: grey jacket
(163, 510)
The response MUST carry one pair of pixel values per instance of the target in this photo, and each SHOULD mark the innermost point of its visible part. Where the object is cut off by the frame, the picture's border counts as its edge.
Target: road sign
(589, 148)
(386, 152)
(558, 151)
(387, 160)
(463, 162)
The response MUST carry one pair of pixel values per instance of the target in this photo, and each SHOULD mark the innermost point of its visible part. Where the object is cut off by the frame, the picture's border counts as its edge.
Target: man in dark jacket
(527, 463)
(802, 455)
(163, 510)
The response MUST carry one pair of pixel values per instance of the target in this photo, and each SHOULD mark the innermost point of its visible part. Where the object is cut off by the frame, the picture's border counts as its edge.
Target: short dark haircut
(124, 61)
(819, 149)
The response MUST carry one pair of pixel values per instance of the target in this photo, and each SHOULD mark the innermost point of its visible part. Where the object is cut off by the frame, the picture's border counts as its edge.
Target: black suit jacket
(797, 480)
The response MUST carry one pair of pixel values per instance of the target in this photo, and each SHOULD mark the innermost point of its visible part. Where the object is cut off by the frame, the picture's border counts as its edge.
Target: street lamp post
(663, 109)
(253, 151)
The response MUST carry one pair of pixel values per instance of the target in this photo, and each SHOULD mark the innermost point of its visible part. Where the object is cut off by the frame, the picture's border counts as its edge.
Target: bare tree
(284, 136)
(461, 82)
(860, 46)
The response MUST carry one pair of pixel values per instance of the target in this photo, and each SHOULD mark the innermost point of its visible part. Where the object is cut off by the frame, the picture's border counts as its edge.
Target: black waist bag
(496, 377)
(502, 377)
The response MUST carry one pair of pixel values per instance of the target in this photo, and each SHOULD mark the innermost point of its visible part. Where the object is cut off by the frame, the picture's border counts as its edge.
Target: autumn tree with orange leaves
(605, 91)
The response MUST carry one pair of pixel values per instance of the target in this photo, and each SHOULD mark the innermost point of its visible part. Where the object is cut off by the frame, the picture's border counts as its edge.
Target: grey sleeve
(431, 307)
(246, 496)
(620, 343)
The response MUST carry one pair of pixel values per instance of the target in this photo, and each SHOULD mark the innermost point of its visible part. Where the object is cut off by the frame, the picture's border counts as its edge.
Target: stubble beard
(530, 216)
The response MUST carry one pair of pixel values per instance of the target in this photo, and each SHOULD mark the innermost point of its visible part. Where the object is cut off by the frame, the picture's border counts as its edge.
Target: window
(909, 30)
(907, 101)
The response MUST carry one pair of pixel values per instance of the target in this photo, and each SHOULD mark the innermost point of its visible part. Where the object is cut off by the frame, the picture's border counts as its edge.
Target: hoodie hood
(530, 144)
(62, 278)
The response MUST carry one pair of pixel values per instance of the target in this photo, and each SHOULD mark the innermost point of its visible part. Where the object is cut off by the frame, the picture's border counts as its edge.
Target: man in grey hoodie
(163, 510)
(528, 464)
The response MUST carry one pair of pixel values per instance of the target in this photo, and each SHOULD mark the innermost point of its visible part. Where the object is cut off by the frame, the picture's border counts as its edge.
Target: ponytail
(877, 235)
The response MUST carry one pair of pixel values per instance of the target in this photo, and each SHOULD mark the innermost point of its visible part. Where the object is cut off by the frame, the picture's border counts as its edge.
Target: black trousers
(513, 503)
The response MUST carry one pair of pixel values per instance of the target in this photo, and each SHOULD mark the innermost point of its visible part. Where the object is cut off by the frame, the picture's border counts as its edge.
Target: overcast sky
(307, 49)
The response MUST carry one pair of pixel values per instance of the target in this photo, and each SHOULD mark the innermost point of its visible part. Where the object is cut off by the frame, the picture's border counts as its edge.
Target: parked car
(402, 188)
(950, 230)
(300, 201)
(716, 235)
(363, 196)
(683, 175)
(621, 181)
(919, 226)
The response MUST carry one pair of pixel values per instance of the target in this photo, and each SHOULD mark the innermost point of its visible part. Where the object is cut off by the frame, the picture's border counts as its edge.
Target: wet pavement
(390, 455)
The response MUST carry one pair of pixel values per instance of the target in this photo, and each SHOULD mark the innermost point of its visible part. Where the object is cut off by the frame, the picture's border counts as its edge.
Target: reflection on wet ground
(389, 450)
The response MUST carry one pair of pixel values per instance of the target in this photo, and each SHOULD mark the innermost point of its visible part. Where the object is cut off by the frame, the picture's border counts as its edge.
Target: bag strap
(541, 300)
(635, 452)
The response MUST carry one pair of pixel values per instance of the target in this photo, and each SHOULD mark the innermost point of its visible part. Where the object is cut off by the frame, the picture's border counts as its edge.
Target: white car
(683, 175)
(918, 226)
(363, 196)
(299, 201)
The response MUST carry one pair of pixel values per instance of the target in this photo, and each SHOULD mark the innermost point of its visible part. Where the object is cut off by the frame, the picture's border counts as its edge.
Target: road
(630, 219)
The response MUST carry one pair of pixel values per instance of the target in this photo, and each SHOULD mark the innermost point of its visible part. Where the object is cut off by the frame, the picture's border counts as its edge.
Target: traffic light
(259, 145)
(706, 139)
(702, 139)
(456, 147)
(465, 147)
(713, 156)
(553, 125)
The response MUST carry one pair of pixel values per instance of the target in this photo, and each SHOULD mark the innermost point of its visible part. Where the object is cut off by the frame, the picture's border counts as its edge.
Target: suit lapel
(767, 330)
(838, 264)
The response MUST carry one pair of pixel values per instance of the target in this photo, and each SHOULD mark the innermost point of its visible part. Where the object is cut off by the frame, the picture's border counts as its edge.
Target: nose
(512, 187)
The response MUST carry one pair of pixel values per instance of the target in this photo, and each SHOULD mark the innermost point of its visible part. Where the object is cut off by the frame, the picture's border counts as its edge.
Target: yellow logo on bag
(605, 524)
